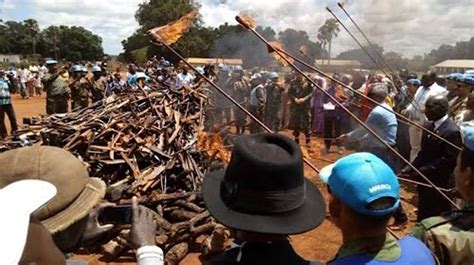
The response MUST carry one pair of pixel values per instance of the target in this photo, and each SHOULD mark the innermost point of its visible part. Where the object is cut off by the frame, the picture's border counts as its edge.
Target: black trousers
(8, 109)
(332, 121)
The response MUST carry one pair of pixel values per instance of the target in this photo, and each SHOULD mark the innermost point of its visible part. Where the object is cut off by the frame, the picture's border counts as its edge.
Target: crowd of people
(260, 205)
(263, 196)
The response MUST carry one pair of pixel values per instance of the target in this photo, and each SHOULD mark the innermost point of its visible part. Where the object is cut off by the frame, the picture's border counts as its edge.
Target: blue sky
(410, 27)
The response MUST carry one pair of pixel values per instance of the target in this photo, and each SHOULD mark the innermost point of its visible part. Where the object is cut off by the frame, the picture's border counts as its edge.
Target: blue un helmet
(414, 82)
(467, 79)
(239, 70)
(273, 75)
(77, 68)
(200, 70)
(454, 76)
(469, 72)
(96, 68)
(225, 69)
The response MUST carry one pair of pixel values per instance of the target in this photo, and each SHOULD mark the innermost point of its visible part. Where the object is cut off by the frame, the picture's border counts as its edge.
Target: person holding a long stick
(436, 160)
(300, 95)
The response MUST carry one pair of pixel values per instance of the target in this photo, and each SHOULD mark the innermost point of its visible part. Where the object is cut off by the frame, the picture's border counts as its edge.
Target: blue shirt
(132, 79)
(5, 97)
(383, 122)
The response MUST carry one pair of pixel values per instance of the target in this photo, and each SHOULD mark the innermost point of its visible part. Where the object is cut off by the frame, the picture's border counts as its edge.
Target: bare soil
(319, 244)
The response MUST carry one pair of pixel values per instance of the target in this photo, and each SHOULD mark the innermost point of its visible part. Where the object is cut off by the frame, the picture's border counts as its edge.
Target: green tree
(156, 13)
(293, 40)
(4, 46)
(50, 40)
(16, 38)
(71, 43)
(326, 33)
(236, 42)
(395, 61)
(362, 57)
(196, 41)
(33, 31)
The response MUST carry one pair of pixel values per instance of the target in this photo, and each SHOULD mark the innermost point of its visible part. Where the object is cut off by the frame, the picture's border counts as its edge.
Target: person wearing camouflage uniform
(258, 101)
(222, 106)
(300, 95)
(79, 89)
(451, 236)
(240, 92)
(274, 101)
(99, 84)
(56, 89)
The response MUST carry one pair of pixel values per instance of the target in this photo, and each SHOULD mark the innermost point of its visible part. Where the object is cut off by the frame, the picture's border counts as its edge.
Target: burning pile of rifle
(144, 145)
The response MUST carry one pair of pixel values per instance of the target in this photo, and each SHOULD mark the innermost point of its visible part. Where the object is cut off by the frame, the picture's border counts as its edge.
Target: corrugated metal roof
(339, 63)
(214, 61)
(456, 64)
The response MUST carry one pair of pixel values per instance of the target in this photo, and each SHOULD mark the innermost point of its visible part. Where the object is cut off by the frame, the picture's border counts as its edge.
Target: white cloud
(407, 26)
(113, 20)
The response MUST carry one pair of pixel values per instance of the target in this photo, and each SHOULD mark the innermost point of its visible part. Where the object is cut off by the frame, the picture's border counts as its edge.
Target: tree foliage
(225, 41)
(460, 50)
(60, 42)
(327, 32)
(236, 42)
(361, 56)
(196, 41)
(293, 40)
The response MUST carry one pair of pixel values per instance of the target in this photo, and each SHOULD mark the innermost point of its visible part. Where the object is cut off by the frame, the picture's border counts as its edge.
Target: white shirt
(439, 122)
(33, 68)
(23, 74)
(42, 71)
(183, 80)
(149, 255)
(416, 108)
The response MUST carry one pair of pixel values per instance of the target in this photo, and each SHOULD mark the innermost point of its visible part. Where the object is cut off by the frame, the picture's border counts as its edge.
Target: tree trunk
(55, 48)
(322, 57)
(329, 53)
(34, 48)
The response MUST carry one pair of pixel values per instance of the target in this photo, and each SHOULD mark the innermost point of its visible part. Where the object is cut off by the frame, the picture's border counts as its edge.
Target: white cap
(17, 202)
(141, 75)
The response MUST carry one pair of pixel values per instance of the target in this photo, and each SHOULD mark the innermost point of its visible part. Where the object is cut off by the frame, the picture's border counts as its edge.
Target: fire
(246, 20)
(273, 47)
(304, 50)
(213, 145)
(171, 32)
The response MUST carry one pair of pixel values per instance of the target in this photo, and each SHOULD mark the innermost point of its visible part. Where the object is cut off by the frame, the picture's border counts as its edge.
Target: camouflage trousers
(79, 103)
(56, 104)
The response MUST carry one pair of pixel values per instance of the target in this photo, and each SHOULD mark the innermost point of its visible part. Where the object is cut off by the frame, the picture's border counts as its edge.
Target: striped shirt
(5, 97)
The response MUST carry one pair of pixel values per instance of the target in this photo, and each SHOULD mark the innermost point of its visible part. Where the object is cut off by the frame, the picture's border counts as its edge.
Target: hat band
(251, 201)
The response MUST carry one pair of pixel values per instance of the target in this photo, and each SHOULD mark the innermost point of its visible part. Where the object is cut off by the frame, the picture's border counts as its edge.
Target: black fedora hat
(264, 189)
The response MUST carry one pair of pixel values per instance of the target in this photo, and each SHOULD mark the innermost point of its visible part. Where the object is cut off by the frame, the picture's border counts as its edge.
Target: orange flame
(213, 145)
(304, 50)
(246, 20)
(273, 47)
(172, 32)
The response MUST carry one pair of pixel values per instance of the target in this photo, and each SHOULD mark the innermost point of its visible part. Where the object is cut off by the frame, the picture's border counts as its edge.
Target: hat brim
(92, 194)
(310, 215)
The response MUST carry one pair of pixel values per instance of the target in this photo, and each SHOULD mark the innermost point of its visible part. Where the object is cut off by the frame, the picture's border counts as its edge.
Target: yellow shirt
(65, 76)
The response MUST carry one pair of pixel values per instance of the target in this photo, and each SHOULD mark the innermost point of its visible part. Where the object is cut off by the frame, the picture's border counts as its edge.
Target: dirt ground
(319, 244)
